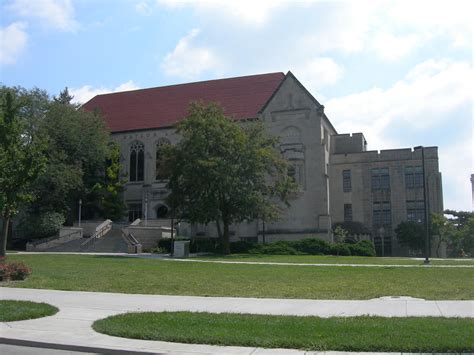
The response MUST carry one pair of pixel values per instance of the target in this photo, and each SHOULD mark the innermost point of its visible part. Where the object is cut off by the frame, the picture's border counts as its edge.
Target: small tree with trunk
(21, 160)
(223, 172)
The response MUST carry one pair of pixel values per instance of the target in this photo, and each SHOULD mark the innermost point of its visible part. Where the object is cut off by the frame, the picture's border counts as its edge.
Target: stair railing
(134, 246)
(101, 230)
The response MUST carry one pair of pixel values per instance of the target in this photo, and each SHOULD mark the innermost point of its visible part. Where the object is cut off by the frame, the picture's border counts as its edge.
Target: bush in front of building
(281, 247)
(362, 248)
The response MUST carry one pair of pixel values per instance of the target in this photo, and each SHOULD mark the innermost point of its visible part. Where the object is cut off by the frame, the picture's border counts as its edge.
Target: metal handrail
(130, 239)
(99, 233)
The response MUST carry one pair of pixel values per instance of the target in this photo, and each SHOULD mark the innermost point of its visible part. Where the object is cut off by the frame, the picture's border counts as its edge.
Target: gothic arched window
(159, 173)
(137, 161)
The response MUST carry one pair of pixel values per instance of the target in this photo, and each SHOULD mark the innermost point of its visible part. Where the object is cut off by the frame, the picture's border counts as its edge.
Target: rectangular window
(415, 210)
(382, 213)
(134, 211)
(380, 179)
(413, 177)
(348, 212)
(346, 181)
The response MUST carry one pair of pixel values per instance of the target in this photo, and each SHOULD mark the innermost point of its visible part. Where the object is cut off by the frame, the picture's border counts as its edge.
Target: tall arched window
(137, 161)
(159, 173)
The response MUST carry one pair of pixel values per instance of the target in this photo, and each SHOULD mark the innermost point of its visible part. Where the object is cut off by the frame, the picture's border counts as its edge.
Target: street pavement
(70, 328)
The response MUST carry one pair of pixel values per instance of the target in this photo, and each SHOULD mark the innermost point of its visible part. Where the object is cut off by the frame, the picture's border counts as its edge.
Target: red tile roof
(241, 98)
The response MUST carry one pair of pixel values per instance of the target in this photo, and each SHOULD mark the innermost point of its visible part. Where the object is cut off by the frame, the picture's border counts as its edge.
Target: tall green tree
(21, 155)
(412, 235)
(223, 172)
(77, 151)
(105, 198)
(463, 239)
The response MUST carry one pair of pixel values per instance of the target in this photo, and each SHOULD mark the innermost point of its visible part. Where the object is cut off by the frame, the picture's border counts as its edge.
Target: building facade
(338, 179)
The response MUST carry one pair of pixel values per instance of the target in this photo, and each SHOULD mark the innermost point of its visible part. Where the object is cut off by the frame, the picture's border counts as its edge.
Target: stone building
(339, 180)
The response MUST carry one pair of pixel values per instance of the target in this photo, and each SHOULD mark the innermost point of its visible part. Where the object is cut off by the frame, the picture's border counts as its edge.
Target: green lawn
(330, 259)
(21, 310)
(147, 276)
(311, 333)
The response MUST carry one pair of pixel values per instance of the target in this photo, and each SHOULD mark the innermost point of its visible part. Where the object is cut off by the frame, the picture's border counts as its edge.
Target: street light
(80, 208)
(427, 232)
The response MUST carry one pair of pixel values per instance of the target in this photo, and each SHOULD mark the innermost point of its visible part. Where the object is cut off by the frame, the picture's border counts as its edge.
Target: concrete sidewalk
(71, 326)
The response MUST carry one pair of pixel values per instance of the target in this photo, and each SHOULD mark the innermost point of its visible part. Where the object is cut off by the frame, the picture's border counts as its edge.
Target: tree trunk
(225, 238)
(3, 238)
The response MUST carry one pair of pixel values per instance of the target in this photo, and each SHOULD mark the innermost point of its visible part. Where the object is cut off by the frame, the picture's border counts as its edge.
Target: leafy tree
(105, 197)
(77, 150)
(463, 239)
(412, 235)
(21, 156)
(444, 229)
(340, 234)
(64, 97)
(222, 172)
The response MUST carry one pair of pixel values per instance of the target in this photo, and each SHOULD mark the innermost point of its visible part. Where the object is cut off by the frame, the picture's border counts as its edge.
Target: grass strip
(331, 259)
(310, 333)
(11, 310)
(148, 276)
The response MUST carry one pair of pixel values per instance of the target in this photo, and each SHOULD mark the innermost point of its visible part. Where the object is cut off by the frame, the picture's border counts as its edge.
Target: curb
(79, 348)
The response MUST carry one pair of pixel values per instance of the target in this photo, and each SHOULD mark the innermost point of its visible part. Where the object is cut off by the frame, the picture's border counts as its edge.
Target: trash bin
(181, 249)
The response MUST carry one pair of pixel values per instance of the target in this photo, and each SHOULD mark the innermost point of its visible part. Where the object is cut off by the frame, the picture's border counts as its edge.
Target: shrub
(45, 225)
(14, 271)
(165, 244)
(159, 250)
(242, 246)
(312, 246)
(279, 248)
(362, 248)
(205, 245)
(340, 249)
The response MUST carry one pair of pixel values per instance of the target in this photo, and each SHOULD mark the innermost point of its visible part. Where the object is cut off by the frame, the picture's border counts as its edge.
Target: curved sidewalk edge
(70, 328)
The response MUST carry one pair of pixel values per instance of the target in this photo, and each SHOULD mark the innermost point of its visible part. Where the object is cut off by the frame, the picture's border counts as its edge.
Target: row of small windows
(137, 160)
(380, 178)
(382, 213)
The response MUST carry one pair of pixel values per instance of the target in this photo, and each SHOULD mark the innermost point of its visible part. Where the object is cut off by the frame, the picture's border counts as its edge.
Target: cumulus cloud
(457, 164)
(56, 14)
(85, 93)
(392, 48)
(432, 89)
(13, 41)
(188, 60)
(319, 72)
(248, 12)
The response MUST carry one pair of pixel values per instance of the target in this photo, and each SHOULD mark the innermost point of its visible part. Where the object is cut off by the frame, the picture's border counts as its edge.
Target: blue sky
(399, 71)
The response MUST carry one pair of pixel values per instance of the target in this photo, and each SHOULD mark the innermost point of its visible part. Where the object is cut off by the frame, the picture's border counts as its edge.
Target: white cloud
(319, 72)
(429, 94)
(13, 41)
(392, 48)
(188, 60)
(457, 164)
(143, 7)
(85, 93)
(248, 12)
(56, 14)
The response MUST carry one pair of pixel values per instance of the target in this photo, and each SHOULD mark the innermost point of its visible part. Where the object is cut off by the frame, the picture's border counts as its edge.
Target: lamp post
(80, 209)
(146, 209)
(381, 234)
(427, 232)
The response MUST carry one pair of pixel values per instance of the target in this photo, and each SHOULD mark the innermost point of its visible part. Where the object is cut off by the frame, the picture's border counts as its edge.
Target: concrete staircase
(112, 242)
